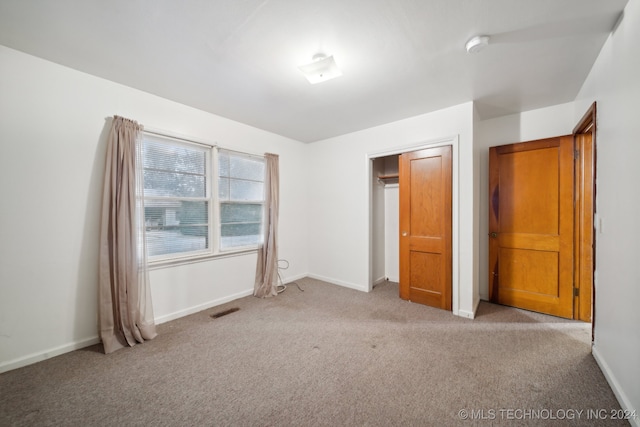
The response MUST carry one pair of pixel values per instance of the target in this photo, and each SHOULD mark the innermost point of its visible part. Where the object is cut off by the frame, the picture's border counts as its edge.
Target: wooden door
(584, 238)
(531, 225)
(425, 226)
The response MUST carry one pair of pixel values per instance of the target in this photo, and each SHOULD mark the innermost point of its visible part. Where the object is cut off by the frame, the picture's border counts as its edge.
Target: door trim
(585, 217)
(455, 210)
(588, 125)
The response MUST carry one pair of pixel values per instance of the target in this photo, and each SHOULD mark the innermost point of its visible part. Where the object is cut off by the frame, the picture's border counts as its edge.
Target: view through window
(183, 217)
(241, 195)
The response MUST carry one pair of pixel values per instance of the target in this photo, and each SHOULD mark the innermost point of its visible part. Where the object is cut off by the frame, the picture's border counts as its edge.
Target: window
(241, 194)
(183, 216)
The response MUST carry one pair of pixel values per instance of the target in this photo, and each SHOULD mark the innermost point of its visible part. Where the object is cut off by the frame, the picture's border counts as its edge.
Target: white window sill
(172, 262)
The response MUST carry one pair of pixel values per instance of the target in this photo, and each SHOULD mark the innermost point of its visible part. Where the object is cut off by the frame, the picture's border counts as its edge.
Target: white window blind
(177, 206)
(241, 198)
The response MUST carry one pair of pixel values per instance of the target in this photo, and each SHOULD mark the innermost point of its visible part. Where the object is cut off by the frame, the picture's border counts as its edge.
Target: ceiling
(400, 58)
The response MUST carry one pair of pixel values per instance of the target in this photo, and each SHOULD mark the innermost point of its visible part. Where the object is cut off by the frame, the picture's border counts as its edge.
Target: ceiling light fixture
(321, 69)
(477, 43)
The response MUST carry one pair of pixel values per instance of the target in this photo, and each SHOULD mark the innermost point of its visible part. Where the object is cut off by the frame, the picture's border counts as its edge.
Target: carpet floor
(324, 355)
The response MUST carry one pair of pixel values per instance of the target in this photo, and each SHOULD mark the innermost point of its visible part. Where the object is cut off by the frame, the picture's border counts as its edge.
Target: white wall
(53, 140)
(392, 232)
(392, 221)
(378, 220)
(614, 83)
(527, 126)
(339, 205)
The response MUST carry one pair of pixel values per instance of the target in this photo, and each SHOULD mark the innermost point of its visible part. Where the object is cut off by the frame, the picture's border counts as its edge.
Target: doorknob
(493, 234)
(404, 234)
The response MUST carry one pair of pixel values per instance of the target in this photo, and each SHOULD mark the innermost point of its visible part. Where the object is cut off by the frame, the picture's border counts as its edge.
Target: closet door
(425, 226)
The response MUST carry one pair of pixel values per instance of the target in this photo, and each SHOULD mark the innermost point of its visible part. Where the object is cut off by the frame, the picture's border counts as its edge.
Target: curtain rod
(174, 135)
(187, 138)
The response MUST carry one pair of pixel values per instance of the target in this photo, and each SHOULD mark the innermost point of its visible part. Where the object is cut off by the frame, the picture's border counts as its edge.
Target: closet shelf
(389, 179)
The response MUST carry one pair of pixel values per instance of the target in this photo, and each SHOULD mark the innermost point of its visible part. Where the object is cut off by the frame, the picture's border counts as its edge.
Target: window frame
(220, 201)
(214, 250)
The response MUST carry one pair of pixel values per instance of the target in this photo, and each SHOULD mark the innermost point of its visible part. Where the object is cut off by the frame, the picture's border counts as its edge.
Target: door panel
(524, 182)
(529, 276)
(425, 227)
(531, 225)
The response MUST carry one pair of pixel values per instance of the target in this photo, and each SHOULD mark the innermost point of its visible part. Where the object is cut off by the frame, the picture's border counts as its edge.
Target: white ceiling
(400, 58)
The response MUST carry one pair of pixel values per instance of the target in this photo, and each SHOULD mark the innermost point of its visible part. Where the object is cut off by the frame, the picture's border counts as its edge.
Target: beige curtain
(125, 311)
(267, 269)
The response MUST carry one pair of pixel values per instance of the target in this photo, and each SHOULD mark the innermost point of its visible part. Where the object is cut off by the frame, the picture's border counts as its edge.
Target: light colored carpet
(325, 356)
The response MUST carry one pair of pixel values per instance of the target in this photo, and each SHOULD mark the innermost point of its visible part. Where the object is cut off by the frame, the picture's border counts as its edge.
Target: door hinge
(576, 292)
(576, 154)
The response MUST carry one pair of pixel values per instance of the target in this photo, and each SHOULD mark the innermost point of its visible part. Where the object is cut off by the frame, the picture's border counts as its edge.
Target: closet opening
(385, 256)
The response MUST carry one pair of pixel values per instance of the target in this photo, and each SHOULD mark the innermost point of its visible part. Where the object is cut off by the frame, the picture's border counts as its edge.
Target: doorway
(385, 227)
(585, 132)
(385, 220)
(541, 228)
(531, 225)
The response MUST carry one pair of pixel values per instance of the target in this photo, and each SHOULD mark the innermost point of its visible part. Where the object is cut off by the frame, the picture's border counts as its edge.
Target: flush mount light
(477, 43)
(321, 69)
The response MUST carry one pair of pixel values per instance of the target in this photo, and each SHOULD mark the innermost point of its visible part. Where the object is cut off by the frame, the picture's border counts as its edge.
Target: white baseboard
(76, 345)
(623, 400)
(469, 314)
(379, 280)
(47, 354)
(195, 309)
(287, 280)
(339, 282)
(466, 314)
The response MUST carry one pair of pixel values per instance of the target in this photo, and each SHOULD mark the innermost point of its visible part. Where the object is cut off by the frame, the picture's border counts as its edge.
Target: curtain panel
(266, 284)
(125, 310)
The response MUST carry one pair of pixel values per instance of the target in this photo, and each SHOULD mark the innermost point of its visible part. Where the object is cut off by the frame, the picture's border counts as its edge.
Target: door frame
(453, 141)
(588, 124)
(585, 219)
(558, 238)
